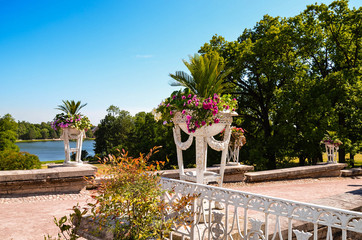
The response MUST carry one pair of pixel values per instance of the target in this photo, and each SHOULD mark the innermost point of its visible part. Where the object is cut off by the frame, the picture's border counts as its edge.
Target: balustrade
(253, 216)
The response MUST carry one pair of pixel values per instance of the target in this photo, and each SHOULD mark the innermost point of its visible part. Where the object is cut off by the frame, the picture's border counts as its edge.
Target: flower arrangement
(77, 121)
(237, 138)
(199, 111)
(331, 137)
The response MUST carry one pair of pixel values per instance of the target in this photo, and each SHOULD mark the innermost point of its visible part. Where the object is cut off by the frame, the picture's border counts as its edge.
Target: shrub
(130, 203)
(11, 160)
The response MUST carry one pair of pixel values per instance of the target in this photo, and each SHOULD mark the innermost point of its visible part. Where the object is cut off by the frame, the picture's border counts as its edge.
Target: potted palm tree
(201, 110)
(73, 126)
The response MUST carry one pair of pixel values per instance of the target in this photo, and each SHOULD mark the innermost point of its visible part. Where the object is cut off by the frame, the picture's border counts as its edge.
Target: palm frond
(207, 77)
(71, 107)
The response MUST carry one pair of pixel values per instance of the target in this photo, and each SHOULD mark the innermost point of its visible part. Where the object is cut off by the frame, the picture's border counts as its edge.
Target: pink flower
(183, 97)
(189, 96)
(170, 112)
(183, 111)
(216, 120)
(234, 99)
(203, 123)
(188, 117)
(174, 96)
(168, 105)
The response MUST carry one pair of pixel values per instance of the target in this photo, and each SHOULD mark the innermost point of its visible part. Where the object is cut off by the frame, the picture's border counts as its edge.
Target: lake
(52, 150)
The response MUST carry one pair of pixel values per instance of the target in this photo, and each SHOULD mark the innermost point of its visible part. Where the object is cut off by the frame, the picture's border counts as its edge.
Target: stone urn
(204, 137)
(70, 133)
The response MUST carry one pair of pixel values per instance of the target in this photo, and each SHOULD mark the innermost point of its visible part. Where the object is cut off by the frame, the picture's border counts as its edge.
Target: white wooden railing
(253, 216)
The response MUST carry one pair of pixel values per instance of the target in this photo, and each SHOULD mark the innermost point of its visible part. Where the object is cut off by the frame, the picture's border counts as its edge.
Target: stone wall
(52, 180)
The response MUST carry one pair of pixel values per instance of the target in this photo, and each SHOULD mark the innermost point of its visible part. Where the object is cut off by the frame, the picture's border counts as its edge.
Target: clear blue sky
(105, 52)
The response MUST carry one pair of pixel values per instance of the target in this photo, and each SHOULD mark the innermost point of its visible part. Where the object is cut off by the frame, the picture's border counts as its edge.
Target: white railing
(222, 213)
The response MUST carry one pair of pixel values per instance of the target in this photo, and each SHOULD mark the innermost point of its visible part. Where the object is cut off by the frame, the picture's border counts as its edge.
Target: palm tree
(207, 75)
(71, 107)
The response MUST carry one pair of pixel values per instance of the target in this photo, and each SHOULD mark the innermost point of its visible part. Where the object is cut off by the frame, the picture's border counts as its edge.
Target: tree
(114, 132)
(264, 63)
(8, 133)
(296, 78)
(115, 111)
(207, 75)
(329, 39)
(71, 107)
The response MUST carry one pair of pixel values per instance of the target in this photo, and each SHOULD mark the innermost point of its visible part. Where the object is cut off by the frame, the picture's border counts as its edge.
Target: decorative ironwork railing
(222, 213)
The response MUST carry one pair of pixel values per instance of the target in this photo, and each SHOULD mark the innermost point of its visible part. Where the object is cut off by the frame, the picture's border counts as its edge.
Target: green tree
(114, 110)
(71, 107)
(114, 132)
(296, 78)
(8, 133)
(264, 62)
(207, 75)
(329, 39)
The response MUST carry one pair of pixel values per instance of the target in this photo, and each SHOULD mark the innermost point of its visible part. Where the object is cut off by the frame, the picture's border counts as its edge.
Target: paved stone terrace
(30, 218)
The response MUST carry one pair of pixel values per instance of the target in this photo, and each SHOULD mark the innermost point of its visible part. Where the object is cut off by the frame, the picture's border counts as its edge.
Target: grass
(101, 167)
(357, 159)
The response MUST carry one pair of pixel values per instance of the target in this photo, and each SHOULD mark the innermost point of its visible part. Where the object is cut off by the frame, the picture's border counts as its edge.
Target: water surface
(52, 150)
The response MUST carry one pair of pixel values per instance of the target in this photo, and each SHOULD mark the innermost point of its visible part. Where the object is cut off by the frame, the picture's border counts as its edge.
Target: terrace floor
(28, 218)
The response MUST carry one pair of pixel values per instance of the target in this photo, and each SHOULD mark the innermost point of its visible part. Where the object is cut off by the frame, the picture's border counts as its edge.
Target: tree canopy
(295, 78)
(8, 133)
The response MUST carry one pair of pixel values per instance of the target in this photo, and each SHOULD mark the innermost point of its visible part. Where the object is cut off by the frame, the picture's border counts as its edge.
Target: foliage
(8, 128)
(114, 131)
(135, 134)
(199, 111)
(130, 201)
(294, 78)
(71, 107)
(28, 131)
(207, 75)
(69, 226)
(84, 155)
(11, 160)
(77, 121)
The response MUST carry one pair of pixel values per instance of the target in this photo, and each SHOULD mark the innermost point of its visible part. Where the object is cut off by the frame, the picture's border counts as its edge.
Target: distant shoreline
(46, 140)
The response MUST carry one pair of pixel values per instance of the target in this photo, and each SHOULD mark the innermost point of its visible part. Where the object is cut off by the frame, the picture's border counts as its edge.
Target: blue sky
(110, 52)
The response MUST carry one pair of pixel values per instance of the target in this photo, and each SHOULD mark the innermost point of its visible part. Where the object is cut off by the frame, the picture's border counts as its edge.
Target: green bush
(130, 203)
(11, 160)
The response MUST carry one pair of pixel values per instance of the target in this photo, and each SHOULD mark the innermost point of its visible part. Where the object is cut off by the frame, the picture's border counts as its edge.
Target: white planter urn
(73, 134)
(331, 150)
(237, 140)
(204, 137)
